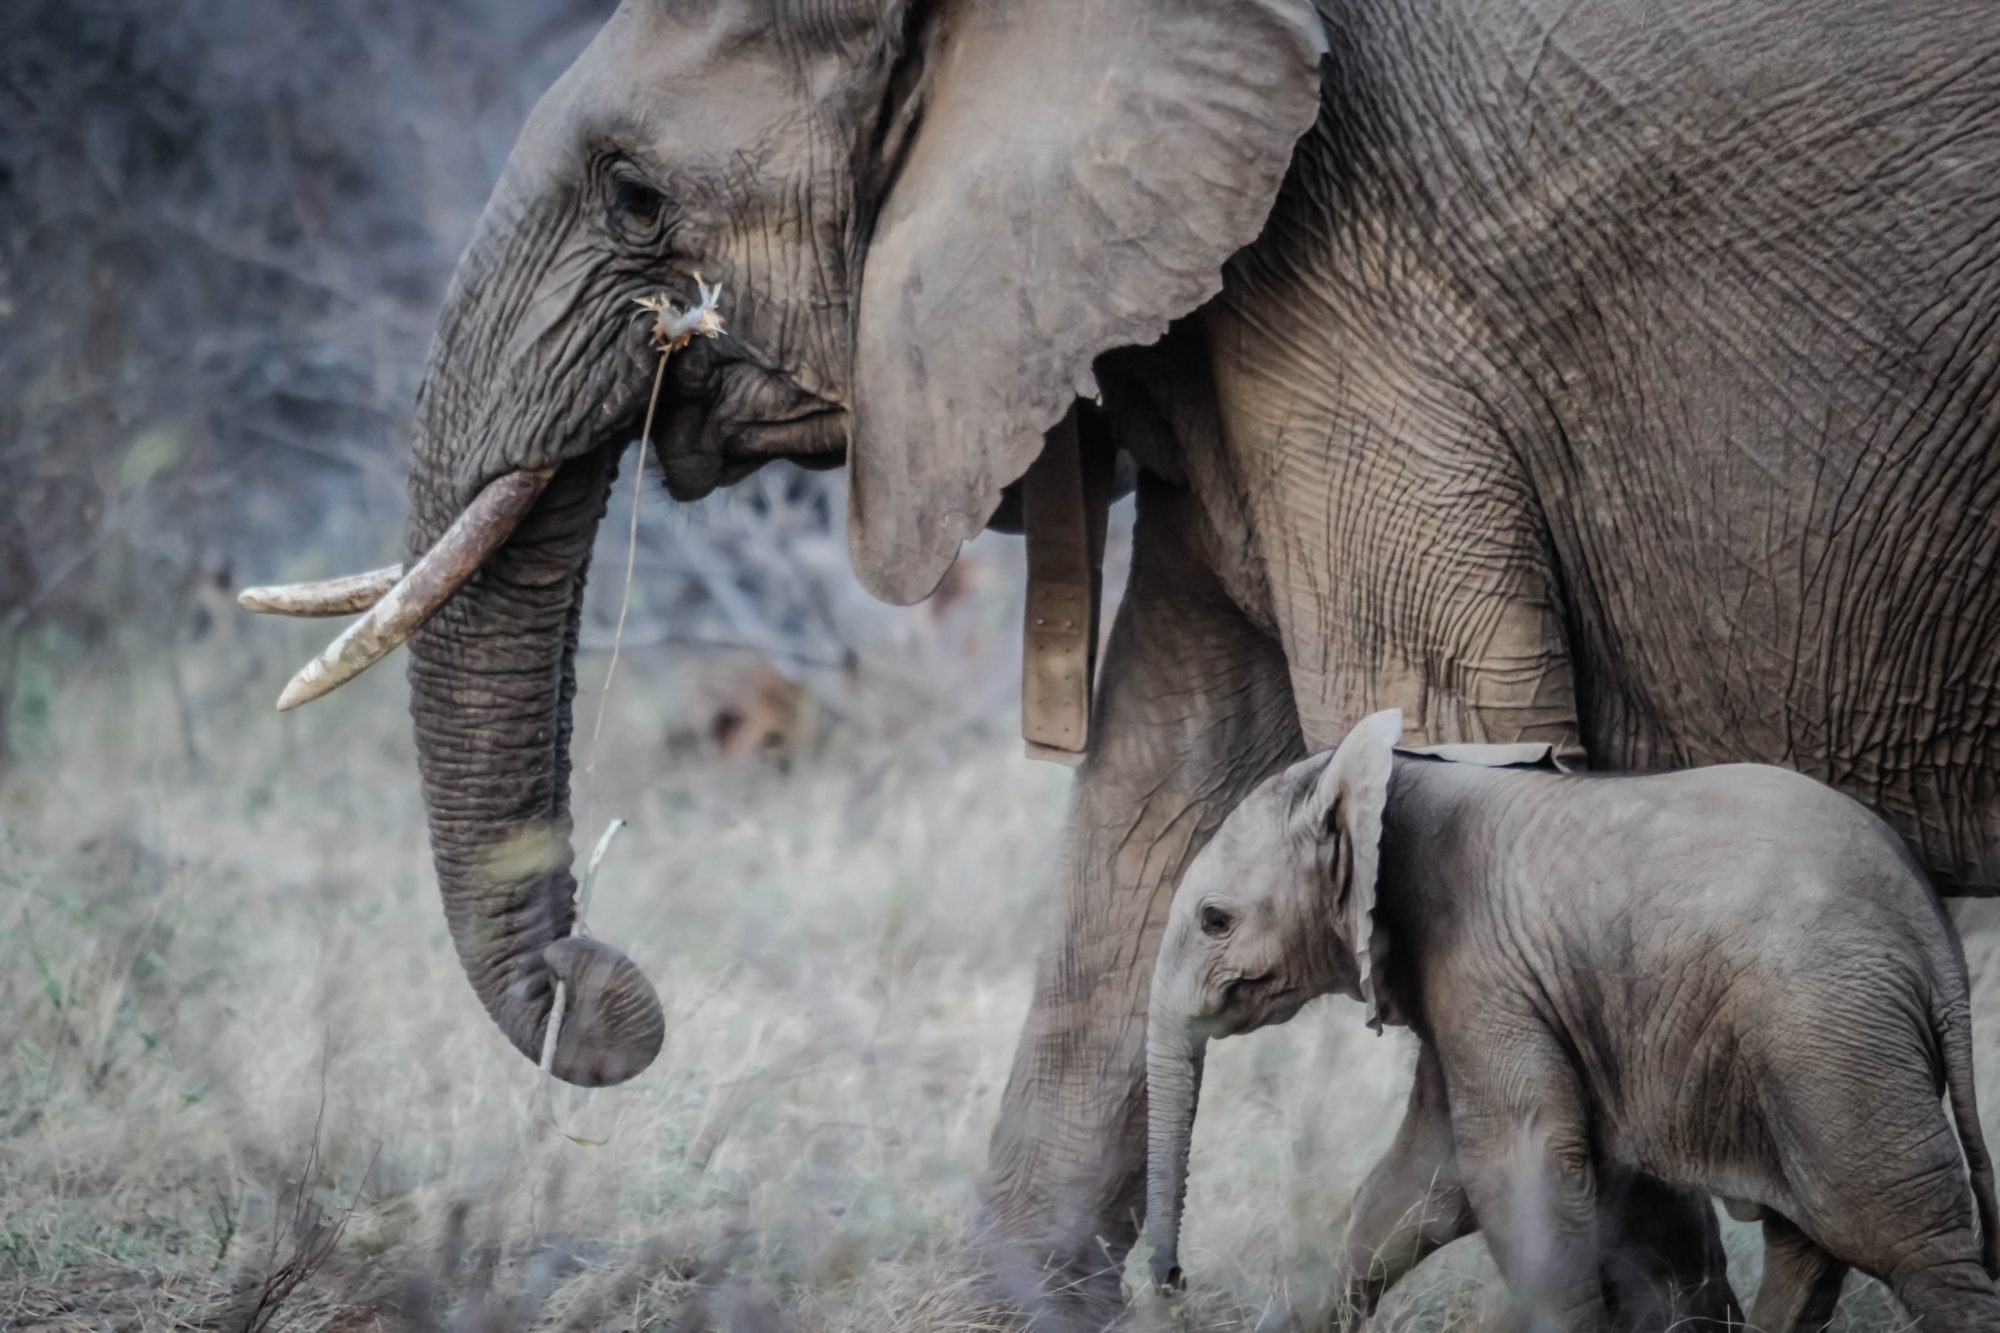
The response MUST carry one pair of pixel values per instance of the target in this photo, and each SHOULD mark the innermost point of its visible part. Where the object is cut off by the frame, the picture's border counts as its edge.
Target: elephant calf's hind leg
(1665, 1270)
(1801, 1281)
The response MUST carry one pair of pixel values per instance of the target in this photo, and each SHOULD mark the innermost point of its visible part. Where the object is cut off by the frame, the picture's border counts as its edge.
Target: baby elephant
(1732, 980)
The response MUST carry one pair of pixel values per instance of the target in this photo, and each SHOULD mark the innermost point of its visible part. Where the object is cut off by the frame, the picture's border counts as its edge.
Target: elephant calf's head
(1277, 909)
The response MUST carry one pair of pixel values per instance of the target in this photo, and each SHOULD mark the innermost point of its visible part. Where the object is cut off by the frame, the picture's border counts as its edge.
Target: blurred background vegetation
(225, 226)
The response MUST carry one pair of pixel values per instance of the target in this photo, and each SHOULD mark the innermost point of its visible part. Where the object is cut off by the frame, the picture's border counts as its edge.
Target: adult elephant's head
(928, 218)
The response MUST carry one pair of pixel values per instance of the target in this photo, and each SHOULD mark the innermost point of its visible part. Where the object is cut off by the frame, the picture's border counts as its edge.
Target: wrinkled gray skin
(1605, 374)
(1733, 980)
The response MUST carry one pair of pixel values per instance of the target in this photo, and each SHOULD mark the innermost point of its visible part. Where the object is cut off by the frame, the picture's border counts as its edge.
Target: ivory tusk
(348, 595)
(402, 610)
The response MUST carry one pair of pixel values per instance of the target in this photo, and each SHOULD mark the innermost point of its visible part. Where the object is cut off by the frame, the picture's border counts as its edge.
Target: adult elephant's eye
(1215, 921)
(636, 209)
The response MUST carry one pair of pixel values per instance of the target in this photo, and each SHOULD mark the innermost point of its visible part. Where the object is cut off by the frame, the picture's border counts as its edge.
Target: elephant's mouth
(1283, 1006)
(1249, 1003)
(728, 414)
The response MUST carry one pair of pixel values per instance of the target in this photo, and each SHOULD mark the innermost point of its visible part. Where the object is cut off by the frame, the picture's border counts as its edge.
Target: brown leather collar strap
(1064, 500)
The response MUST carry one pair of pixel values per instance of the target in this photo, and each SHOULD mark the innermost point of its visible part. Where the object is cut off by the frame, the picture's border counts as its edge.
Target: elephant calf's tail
(1954, 1033)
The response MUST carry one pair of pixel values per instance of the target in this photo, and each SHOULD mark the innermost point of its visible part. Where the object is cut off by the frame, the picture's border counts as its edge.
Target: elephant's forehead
(1253, 837)
(680, 84)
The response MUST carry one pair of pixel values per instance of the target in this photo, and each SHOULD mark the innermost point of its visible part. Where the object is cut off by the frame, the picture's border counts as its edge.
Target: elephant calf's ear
(1345, 802)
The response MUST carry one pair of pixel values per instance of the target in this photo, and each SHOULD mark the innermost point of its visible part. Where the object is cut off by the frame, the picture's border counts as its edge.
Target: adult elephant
(1610, 374)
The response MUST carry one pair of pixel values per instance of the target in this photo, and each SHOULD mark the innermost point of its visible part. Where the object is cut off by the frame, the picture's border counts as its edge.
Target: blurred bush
(225, 226)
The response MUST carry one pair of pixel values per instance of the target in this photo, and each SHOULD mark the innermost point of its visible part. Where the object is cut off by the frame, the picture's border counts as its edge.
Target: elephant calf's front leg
(1520, 1124)
(1195, 707)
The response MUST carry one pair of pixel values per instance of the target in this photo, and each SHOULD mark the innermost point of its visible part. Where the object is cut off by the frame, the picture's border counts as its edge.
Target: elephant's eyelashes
(1215, 921)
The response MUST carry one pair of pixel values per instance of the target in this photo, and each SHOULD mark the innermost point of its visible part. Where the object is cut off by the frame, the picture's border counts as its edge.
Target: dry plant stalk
(546, 1093)
(672, 330)
(313, 1238)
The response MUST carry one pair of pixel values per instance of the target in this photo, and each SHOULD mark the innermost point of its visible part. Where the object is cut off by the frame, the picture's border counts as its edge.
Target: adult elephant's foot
(1065, 1192)
(1049, 1280)
(1194, 708)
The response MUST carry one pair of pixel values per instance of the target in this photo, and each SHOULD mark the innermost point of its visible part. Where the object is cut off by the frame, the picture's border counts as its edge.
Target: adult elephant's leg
(1194, 707)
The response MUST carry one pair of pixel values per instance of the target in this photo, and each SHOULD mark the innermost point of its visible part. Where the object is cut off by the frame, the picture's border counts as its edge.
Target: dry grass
(243, 1083)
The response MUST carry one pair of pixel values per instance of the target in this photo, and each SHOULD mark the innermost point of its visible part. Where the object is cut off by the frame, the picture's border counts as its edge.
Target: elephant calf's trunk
(1173, 1086)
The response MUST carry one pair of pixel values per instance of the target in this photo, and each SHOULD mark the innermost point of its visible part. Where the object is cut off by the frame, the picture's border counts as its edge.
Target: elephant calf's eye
(1215, 921)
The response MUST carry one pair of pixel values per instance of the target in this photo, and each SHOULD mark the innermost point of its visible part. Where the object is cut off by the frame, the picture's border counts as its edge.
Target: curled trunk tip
(614, 1025)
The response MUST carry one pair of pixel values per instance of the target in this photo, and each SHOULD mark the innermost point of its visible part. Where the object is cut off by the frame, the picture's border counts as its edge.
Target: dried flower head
(673, 327)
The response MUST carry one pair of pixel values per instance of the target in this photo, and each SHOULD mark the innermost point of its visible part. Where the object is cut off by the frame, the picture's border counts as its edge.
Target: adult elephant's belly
(1754, 374)
(1873, 665)
(1782, 545)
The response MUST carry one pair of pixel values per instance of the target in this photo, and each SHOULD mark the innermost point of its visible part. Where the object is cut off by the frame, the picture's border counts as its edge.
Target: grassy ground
(243, 1083)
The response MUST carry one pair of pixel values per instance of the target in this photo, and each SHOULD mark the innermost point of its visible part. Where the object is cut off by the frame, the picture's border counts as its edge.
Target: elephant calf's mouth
(1249, 1003)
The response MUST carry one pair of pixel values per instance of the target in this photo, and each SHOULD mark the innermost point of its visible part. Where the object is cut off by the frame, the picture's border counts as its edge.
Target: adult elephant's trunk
(1173, 1084)
(493, 680)
(489, 605)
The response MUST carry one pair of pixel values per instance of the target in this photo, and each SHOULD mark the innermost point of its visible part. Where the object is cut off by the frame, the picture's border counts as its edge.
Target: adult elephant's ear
(1341, 810)
(1080, 171)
